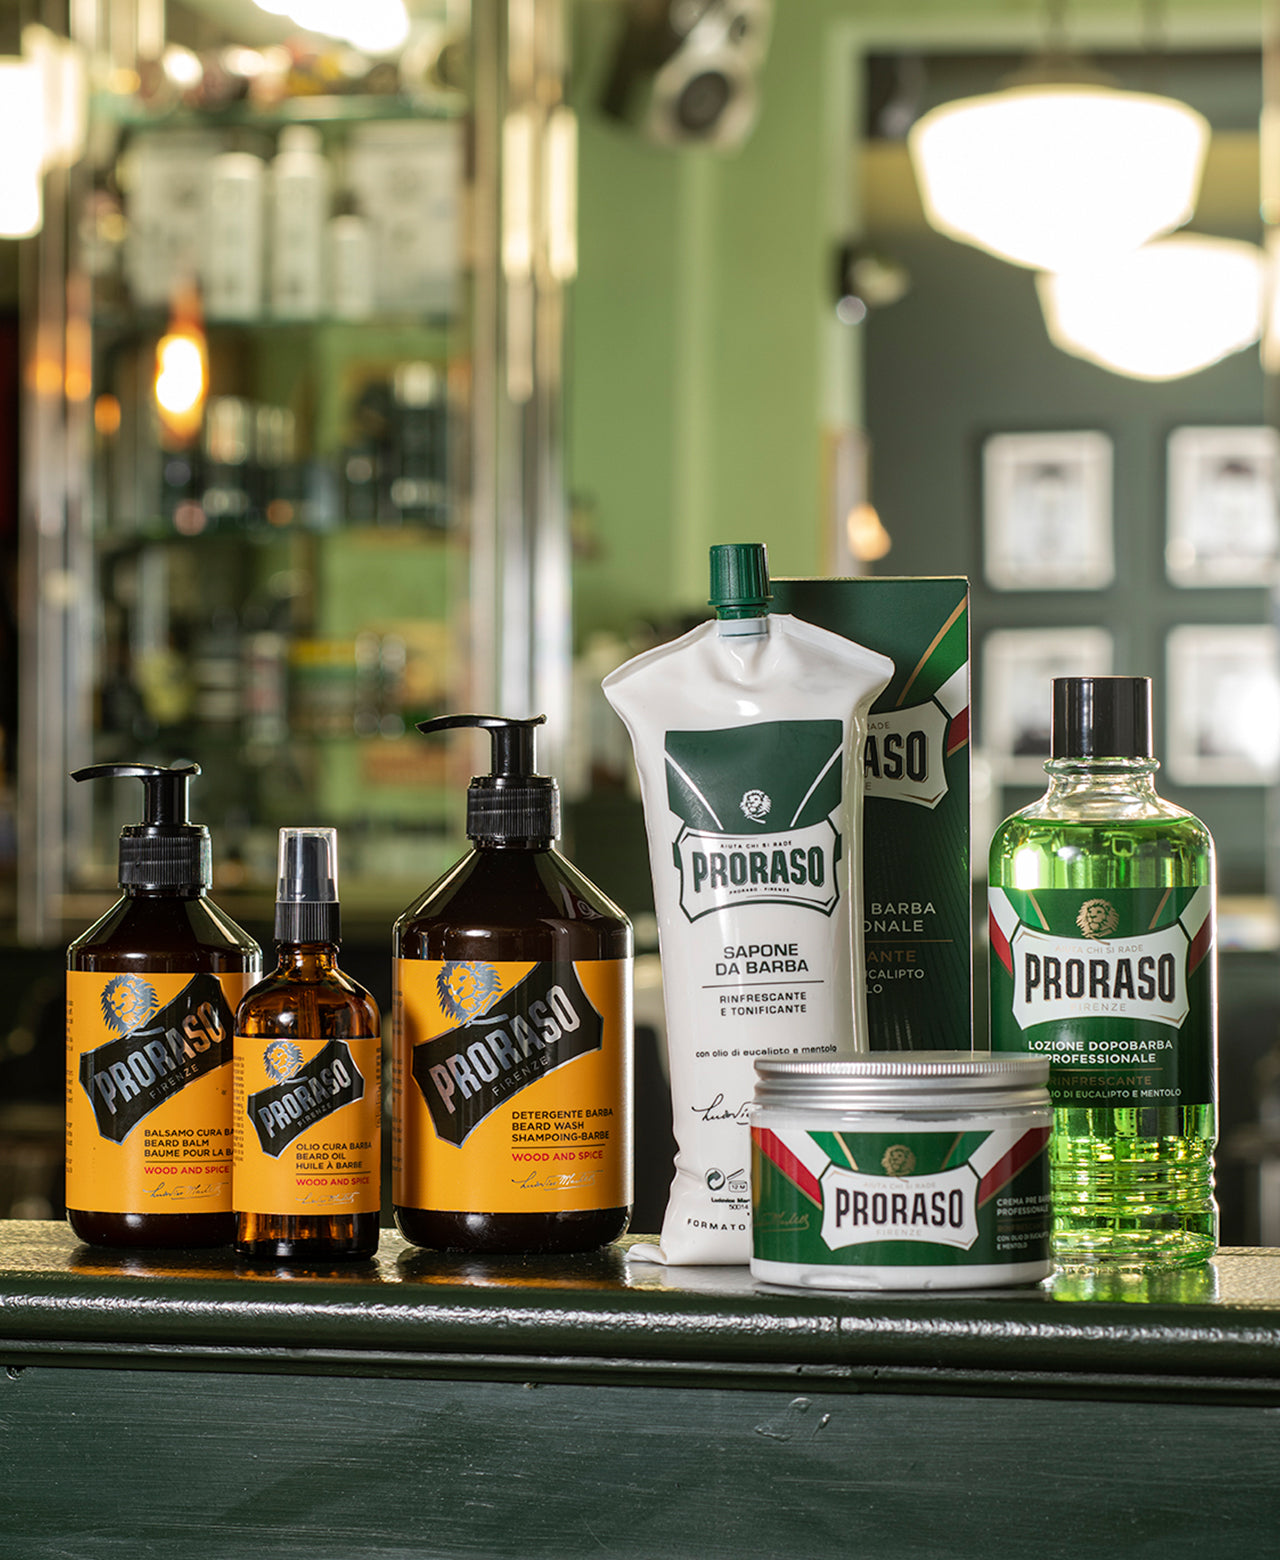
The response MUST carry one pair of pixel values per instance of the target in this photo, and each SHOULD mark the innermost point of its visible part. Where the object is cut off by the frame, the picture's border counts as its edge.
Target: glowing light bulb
(1049, 175)
(1168, 309)
(182, 381)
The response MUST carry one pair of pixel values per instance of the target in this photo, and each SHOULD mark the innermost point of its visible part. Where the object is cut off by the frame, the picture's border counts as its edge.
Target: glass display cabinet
(293, 405)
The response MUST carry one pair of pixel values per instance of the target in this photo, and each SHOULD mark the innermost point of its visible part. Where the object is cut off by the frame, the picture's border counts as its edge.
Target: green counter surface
(430, 1405)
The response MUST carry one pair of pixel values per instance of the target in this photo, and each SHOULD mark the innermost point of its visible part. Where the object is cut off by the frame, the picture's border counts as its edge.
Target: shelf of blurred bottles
(321, 108)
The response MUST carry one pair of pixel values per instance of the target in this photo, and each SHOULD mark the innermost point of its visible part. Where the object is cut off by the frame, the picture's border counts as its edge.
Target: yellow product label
(510, 1085)
(149, 1091)
(308, 1125)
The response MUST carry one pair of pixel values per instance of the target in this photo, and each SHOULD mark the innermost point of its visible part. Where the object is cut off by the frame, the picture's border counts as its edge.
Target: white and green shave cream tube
(748, 736)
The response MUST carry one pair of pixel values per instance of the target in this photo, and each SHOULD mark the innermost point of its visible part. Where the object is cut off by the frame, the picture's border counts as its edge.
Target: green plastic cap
(740, 580)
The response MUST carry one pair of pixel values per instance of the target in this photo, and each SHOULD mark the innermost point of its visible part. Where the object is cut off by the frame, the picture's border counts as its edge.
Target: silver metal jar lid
(919, 1080)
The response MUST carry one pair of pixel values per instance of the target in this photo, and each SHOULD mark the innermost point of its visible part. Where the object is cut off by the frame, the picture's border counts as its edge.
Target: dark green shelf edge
(427, 1315)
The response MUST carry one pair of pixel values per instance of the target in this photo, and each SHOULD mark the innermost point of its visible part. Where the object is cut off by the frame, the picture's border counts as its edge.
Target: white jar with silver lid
(901, 1170)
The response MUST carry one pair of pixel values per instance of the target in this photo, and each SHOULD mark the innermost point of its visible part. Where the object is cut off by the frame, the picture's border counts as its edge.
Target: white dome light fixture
(1166, 310)
(1048, 174)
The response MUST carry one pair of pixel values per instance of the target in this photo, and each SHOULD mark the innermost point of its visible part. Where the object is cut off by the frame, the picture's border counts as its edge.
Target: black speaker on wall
(685, 71)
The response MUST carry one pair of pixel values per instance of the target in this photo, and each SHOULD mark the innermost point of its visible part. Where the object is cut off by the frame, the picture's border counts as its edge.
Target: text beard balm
(896, 1171)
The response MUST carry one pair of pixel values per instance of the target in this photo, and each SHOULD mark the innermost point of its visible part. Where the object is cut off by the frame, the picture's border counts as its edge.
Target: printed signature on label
(778, 1220)
(717, 1111)
(337, 1199)
(534, 1182)
(188, 1193)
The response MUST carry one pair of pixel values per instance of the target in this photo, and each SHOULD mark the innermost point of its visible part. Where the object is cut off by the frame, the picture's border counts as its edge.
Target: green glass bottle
(1101, 899)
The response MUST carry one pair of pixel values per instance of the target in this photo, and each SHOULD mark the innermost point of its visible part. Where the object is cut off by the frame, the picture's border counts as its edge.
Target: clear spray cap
(307, 889)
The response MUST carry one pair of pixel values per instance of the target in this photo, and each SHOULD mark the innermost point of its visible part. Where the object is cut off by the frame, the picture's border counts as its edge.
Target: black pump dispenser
(512, 802)
(166, 850)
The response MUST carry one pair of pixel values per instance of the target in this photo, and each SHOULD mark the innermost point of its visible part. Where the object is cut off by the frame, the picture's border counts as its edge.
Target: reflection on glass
(598, 1270)
(1176, 1286)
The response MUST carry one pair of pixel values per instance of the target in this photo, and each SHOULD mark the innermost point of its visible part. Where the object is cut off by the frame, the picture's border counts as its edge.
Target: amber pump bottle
(512, 1032)
(151, 992)
(308, 1080)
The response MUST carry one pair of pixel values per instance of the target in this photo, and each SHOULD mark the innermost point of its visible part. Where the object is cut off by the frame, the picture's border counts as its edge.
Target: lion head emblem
(466, 988)
(127, 1003)
(282, 1059)
(1097, 918)
(756, 805)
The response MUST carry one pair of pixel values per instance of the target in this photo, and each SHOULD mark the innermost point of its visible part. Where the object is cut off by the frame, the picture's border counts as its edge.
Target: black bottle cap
(165, 850)
(307, 908)
(1102, 717)
(511, 803)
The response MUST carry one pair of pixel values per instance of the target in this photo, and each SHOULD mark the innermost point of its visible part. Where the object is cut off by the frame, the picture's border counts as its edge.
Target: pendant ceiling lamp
(1166, 310)
(1059, 165)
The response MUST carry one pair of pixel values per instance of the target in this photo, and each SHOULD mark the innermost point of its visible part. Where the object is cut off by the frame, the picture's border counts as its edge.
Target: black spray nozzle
(307, 886)
(511, 802)
(165, 850)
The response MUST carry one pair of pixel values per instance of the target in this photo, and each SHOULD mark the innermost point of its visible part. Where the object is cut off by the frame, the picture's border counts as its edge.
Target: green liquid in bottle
(1132, 1180)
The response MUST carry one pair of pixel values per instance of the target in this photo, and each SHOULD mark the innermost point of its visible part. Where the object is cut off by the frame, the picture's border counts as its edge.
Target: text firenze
(1047, 978)
(506, 1050)
(858, 1210)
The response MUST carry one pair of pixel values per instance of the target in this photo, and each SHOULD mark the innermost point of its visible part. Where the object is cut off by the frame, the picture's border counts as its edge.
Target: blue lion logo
(466, 989)
(127, 1003)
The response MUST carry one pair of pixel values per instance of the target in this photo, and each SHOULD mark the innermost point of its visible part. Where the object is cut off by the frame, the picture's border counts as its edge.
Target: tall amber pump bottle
(512, 1032)
(308, 1080)
(152, 988)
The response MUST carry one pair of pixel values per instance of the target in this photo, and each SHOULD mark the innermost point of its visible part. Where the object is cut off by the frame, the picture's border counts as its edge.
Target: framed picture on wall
(1018, 668)
(1224, 705)
(1046, 511)
(1223, 523)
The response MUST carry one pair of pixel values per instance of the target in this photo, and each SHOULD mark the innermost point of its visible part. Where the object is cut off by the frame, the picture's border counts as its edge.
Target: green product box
(916, 896)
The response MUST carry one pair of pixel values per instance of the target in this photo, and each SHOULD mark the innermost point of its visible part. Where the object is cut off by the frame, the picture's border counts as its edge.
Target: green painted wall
(694, 411)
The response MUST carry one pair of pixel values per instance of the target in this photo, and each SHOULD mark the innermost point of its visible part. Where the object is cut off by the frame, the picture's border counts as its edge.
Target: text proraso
(1057, 978)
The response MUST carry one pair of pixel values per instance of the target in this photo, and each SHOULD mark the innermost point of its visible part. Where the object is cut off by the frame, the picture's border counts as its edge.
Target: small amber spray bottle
(308, 1070)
